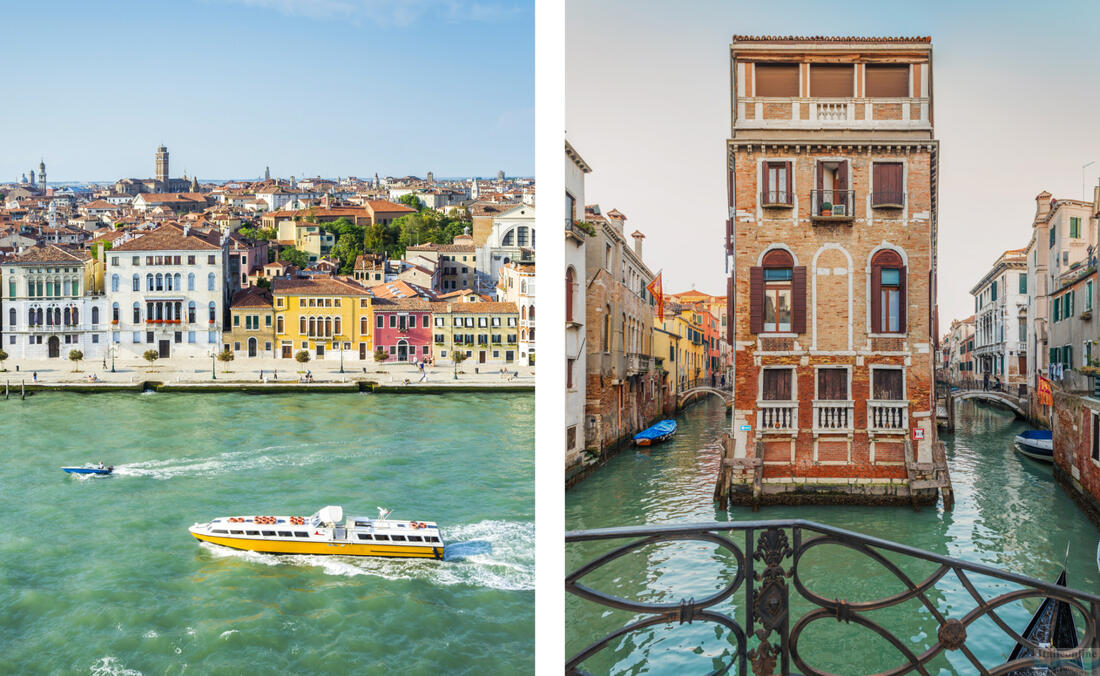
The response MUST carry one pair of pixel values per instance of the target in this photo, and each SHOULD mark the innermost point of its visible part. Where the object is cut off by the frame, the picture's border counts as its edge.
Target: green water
(100, 576)
(1009, 513)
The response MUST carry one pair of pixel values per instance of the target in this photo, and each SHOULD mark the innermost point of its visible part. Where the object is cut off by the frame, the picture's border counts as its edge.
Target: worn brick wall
(1075, 468)
(837, 258)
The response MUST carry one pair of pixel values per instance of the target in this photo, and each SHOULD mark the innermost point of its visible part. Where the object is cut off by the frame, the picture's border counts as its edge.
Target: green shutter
(1023, 283)
(1057, 309)
(1074, 227)
(994, 291)
(1068, 354)
(1053, 230)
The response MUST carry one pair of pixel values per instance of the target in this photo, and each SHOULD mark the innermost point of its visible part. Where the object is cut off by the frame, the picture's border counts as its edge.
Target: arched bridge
(702, 390)
(1016, 403)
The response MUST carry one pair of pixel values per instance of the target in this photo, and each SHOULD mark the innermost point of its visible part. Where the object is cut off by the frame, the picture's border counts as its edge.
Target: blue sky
(329, 87)
(648, 106)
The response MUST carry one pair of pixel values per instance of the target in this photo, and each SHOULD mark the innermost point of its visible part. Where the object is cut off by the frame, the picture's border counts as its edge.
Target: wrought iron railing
(770, 556)
(832, 204)
(776, 198)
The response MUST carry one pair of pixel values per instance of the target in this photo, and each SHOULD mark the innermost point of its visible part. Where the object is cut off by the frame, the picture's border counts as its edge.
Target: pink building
(245, 257)
(403, 327)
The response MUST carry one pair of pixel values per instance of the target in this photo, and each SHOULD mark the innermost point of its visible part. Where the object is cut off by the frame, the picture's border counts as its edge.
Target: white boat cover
(331, 514)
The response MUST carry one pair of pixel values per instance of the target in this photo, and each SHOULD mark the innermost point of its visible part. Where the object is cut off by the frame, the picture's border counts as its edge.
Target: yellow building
(251, 330)
(329, 317)
(486, 332)
(680, 344)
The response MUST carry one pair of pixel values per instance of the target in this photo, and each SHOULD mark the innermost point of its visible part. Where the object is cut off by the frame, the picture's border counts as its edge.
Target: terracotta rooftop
(476, 308)
(316, 285)
(48, 253)
(253, 296)
(830, 38)
(168, 238)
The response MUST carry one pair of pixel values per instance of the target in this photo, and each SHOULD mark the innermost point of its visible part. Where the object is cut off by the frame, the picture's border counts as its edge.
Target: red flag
(1043, 392)
(655, 289)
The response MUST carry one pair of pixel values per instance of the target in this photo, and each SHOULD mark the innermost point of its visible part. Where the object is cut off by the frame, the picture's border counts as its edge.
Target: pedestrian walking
(34, 375)
(275, 375)
(261, 375)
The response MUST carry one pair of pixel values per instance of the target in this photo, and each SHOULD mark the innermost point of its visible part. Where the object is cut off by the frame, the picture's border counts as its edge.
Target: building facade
(1000, 320)
(251, 329)
(832, 238)
(576, 236)
(517, 287)
(403, 329)
(485, 332)
(328, 317)
(53, 303)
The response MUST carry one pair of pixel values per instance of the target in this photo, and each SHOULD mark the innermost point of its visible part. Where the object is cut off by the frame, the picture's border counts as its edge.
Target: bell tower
(42, 176)
(162, 166)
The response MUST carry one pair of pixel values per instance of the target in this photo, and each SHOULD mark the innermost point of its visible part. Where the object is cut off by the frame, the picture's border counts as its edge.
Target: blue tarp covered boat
(1036, 444)
(659, 432)
(89, 470)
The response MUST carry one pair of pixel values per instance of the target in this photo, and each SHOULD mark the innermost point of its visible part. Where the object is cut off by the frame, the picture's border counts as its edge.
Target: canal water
(100, 576)
(1009, 513)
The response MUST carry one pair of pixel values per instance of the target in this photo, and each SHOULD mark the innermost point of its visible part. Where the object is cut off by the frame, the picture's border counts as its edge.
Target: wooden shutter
(790, 185)
(756, 300)
(875, 320)
(776, 79)
(729, 311)
(764, 184)
(777, 384)
(820, 187)
(798, 300)
(887, 385)
(840, 195)
(886, 80)
(832, 384)
(904, 298)
(832, 80)
(569, 294)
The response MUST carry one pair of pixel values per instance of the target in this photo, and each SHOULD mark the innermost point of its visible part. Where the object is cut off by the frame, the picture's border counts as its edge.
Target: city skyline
(668, 74)
(305, 88)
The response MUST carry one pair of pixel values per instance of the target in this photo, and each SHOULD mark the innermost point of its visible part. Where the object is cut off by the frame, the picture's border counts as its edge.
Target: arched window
(531, 313)
(137, 313)
(190, 281)
(509, 238)
(336, 326)
(569, 273)
(177, 281)
(95, 315)
(149, 282)
(136, 282)
(605, 336)
(67, 317)
(210, 284)
(114, 313)
(160, 282)
(12, 315)
(191, 312)
(328, 327)
(303, 326)
(38, 317)
(523, 312)
(772, 288)
(213, 312)
(279, 324)
(532, 334)
(887, 292)
(114, 283)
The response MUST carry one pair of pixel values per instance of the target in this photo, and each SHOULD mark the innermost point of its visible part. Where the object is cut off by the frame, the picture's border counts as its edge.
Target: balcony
(638, 363)
(888, 416)
(833, 416)
(760, 112)
(777, 416)
(887, 199)
(832, 206)
(776, 198)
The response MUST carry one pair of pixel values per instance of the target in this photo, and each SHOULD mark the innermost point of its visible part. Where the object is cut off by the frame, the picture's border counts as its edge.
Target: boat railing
(767, 578)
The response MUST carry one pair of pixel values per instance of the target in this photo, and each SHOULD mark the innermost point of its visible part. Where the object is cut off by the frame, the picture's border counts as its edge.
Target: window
(210, 259)
(887, 384)
(887, 293)
(1088, 295)
(1053, 235)
(210, 282)
(832, 80)
(777, 184)
(832, 384)
(1074, 227)
(1023, 283)
(778, 275)
(886, 80)
(776, 79)
(777, 384)
(993, 291)
(1057, 309)
(887, 184)
(95, 315)
(1095, 436)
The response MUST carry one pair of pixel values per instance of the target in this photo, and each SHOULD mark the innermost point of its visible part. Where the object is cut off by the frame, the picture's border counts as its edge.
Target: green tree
(302, 356)
(294, 256)
(150, 356)
(3, 358)
(75, 356)
(459, 356)
(380, 354)
(225, 356)
(411, 200)
(347, 247)
(383, 238)
(263, 283)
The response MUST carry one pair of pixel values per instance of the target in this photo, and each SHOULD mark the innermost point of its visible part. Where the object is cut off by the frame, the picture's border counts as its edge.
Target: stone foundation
(1088, 504)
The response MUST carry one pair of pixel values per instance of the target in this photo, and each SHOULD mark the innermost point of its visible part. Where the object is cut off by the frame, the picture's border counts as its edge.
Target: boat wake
(110, 666)
(237, 461)
(491, 554)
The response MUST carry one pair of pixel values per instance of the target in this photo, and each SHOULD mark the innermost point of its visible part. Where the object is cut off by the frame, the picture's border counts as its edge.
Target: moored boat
(89, 469)
(1036, 444)
(1051, 627)
(661, 431)
(326, 532)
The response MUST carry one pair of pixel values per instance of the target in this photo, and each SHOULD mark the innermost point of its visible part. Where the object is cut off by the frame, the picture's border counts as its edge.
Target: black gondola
(1052, 625)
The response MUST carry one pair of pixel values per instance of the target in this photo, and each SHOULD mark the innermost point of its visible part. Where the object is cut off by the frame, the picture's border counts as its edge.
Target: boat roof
(330, 514)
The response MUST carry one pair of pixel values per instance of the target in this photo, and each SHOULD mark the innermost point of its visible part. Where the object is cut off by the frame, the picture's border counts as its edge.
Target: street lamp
(213, 356)
(113, 350)
(341, 358)
(454, 358)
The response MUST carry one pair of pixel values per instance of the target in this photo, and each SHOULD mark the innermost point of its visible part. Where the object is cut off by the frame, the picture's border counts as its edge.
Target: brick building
(832, 233)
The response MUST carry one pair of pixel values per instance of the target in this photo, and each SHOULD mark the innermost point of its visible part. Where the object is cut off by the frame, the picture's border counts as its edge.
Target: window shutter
(798, 300)
(875, 320)
(820, 187)
(729, 310)
(756, 300)
(904, 297)
(841, 178)
(764, 187)
(790, 182)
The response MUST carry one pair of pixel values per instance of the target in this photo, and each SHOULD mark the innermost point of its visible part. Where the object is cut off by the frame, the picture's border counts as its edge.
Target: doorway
(402, 350)
(251, 347)
(481, 356)
(54, 344)
(165, 346)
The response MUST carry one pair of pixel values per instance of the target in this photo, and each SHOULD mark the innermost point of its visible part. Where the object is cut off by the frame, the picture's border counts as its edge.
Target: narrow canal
(100, 576)
(1009, 513)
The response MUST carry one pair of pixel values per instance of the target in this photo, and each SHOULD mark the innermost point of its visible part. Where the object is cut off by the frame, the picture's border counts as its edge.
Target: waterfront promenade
(196, 371)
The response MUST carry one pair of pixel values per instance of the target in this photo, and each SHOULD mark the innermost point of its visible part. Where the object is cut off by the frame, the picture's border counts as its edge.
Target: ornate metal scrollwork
(768, 597)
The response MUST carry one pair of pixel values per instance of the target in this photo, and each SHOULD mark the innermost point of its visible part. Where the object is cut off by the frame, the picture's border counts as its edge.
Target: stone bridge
(1015, 403)
(702, 390)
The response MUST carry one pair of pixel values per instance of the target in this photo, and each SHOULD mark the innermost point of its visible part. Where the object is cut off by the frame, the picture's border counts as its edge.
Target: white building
(1000, 319)
(52, 304)
(513, 231)
(517, 285)
(575, 362)
(168, 292)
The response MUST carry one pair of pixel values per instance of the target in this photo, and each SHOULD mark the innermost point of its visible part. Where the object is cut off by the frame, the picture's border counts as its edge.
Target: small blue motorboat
(1036, 444)
(658, 432)
(89, 469)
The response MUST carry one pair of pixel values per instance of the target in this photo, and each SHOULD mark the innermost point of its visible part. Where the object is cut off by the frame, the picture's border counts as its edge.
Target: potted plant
(827, 209)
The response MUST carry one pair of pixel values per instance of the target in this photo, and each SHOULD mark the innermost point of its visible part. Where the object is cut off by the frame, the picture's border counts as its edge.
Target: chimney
(638, 237)
(186, 229)
(1042, 205)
